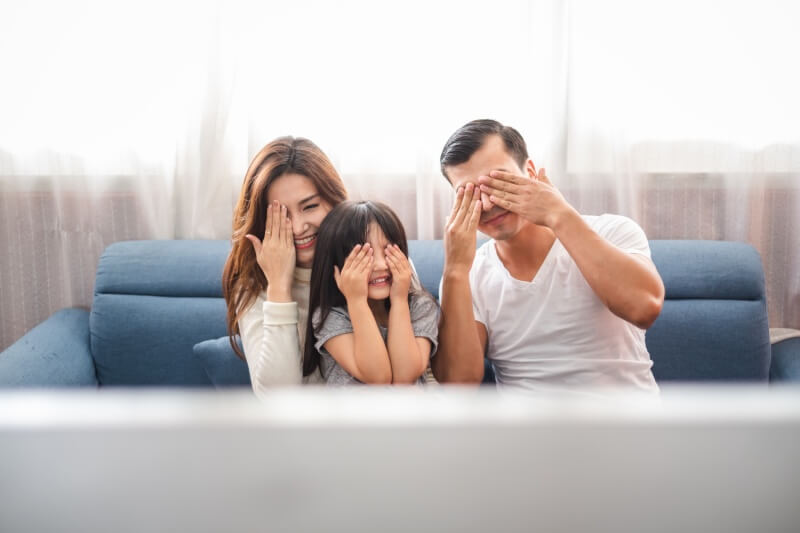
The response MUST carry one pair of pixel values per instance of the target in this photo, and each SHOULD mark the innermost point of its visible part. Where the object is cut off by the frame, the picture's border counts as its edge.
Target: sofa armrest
(785, 365)
(53, 354)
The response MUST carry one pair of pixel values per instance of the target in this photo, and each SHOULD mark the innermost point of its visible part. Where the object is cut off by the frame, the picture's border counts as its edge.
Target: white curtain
(137, 121)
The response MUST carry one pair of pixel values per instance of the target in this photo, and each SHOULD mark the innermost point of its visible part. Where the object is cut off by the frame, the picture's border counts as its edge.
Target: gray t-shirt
(424, 322)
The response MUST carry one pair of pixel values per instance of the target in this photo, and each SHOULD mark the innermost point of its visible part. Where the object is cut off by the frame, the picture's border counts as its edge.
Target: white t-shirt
(553, 333)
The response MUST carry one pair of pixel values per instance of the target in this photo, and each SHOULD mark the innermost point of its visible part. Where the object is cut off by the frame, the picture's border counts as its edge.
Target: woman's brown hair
(242, 279)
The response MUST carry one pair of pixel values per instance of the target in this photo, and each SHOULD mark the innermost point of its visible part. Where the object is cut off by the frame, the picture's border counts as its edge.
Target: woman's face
(305, 208)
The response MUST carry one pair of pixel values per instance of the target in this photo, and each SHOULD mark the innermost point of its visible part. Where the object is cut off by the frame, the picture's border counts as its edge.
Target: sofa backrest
(154, 300)
(713, 325)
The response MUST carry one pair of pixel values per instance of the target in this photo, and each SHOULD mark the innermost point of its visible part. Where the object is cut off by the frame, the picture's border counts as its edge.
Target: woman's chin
(304, 257)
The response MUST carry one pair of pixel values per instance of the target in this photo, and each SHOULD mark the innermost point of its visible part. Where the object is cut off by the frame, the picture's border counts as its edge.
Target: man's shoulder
(608, 220)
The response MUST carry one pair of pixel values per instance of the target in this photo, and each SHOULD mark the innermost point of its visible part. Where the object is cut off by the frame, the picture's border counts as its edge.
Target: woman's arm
(269, 328)
(271, 345)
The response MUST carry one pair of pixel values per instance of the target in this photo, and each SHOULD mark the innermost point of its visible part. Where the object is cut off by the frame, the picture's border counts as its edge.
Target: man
(555, 300)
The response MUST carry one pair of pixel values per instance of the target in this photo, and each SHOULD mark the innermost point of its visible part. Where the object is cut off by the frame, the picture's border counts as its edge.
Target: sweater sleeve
(271, 345)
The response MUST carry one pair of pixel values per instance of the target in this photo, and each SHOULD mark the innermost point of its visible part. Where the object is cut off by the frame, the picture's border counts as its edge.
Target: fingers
(278, 214)
(255, 242)
(359, 257)
(456, 204)
(364, 258)
(505, 203)
(542, 176)
(288, 235)
(475, 216)
(398, 262)
(470, 193)
(505, 177)
(337, 276)
(351, 256)
(498, 187)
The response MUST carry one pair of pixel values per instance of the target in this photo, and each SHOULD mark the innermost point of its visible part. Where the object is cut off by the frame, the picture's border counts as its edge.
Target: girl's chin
(378, 293)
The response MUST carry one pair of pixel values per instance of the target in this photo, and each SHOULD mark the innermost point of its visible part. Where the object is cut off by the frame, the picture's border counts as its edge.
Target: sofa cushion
(786, 360)
(222, 365)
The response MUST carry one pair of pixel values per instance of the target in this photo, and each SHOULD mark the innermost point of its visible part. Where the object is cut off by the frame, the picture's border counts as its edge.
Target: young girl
(371, 320)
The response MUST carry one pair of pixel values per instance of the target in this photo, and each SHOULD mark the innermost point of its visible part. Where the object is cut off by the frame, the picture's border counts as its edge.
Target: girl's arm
(362, 353)
(409, 355)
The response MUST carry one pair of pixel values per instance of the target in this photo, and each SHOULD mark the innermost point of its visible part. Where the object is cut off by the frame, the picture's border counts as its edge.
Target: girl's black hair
(342, 229)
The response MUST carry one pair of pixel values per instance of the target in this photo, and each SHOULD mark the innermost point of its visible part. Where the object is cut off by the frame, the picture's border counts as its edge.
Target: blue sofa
(158, 318)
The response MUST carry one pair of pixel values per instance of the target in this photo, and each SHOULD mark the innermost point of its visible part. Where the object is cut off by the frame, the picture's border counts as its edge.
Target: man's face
(495, 222)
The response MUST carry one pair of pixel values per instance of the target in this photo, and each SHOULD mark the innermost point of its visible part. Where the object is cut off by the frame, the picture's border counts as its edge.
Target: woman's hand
(400, 270)
(276, 254)
(353, 279)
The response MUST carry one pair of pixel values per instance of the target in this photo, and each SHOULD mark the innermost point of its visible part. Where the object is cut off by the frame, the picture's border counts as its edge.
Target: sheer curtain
(138, 121)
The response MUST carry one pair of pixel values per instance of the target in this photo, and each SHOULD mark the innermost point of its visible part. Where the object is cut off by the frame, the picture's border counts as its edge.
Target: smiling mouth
(306, 242)
(496, 219)
(378, 282)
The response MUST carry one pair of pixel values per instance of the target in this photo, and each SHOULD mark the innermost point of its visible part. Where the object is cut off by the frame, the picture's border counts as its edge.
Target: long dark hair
(343, 228)
(242, 278)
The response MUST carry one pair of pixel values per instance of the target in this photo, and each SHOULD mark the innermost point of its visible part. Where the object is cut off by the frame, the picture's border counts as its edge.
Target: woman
(288, 190)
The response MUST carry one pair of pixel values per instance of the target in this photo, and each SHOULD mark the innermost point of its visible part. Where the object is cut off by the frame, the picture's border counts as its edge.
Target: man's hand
(276, 254)
(461, 230)
(534, 199)
(353, 280)
(401, 272)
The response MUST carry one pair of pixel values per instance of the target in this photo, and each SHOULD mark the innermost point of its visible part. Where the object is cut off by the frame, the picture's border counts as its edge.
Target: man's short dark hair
(470, 137)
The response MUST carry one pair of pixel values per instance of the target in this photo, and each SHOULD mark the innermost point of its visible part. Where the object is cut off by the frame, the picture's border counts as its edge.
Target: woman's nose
(299, 226)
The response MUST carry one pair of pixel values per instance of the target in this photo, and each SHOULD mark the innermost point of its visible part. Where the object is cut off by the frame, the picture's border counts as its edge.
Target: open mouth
(380, 282)
(305, 242)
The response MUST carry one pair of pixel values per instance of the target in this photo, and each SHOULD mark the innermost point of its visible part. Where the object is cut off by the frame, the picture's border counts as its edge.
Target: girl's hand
(401, 272)
(353, 280)
(276, 254)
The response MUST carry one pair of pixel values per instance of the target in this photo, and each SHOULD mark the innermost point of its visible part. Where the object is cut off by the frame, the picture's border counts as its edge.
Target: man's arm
(628, 284)
(460, 355)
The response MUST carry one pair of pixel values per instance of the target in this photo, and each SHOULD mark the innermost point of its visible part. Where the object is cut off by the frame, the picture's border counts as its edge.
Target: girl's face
(380, 279)
(305, 208)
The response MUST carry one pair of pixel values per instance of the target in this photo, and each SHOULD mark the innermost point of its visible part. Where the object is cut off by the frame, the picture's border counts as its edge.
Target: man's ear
(529, 166)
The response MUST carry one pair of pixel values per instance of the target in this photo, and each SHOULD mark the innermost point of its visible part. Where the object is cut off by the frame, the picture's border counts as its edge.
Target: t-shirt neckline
(544, 268)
